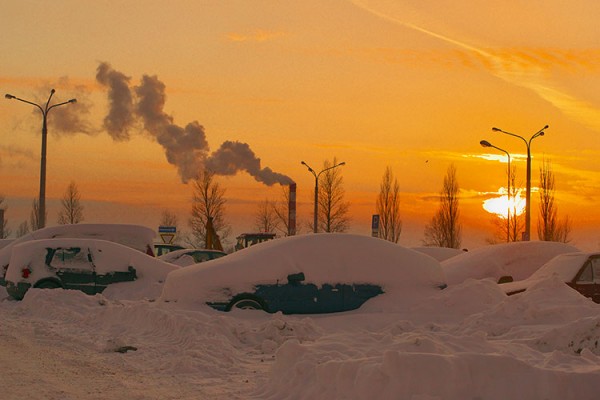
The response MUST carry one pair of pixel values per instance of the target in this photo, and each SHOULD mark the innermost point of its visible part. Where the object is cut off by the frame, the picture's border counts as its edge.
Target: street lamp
(527, 233)
(316, 175)
(44, 109)
(485, 143)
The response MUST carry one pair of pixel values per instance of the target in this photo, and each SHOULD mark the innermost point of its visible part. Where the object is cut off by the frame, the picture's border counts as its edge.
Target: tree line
(443, 230)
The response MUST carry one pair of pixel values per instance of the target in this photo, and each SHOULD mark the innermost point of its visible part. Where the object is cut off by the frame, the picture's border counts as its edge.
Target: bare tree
(169, 218)
(23, 229)
(72, 210)
(445, 230)
(550, 228)
(333, 210)
(281, 208)
(4, 231)
(34, 220)
(208, 203)
(265, 218)
(388, 207)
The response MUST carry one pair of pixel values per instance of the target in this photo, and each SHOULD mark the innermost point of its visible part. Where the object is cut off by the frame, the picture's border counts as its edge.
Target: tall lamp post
(45, 109)
(485, 143)
(316, 175)
(527, 233)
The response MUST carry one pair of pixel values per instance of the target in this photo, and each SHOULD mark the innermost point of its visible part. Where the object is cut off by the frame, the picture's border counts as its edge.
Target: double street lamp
(45, 109)
(316, 175)
(485, 143)
(527, 233)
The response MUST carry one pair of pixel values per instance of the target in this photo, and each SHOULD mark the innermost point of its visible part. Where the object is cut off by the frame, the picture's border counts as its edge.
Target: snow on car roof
(517, 259)
(323, 258)
(151, 272)
(135, 236)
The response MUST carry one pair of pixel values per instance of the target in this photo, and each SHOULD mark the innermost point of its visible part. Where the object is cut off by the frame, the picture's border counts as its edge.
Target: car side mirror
(296, 278)
(505, 279)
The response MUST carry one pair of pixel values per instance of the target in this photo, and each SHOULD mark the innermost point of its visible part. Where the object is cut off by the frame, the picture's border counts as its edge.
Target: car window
(595, 269)
(587, 274)
(71, 257)
(201, 257)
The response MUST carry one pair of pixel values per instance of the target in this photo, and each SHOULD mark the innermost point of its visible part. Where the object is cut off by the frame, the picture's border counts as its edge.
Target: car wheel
(247, 304)
(47, 285)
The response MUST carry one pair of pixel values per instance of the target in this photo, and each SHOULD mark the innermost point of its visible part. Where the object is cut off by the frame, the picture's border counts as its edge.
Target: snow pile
(518, 259)
(469, 341)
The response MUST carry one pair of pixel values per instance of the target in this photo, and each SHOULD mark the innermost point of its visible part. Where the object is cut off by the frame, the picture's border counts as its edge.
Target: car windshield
(564, 265)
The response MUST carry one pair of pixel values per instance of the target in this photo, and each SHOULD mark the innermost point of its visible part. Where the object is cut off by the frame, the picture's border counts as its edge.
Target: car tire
(47, 284)
(247, 304)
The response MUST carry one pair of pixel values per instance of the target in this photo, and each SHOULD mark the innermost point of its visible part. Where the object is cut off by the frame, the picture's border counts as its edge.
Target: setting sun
(502, 204)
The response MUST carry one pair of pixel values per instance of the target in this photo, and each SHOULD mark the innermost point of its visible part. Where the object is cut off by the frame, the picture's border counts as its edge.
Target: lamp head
(342, 163)
(485, 143)
(72, 101)
(496, 129)
(52, 91)
(9, 96)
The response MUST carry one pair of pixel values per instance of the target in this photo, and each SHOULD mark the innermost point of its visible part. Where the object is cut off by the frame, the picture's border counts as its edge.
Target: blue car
(308, 274)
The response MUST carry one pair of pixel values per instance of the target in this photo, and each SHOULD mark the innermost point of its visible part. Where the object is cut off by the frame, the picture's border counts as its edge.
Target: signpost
(167, 233)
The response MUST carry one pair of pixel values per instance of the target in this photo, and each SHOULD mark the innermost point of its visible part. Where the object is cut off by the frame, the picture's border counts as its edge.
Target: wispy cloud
(528, 69)
(258, 35)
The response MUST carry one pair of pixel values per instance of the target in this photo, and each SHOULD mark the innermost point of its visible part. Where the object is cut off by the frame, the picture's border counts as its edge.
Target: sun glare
(502, 204)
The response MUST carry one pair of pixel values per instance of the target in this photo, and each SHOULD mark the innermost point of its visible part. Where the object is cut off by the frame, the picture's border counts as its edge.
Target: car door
(74, 268)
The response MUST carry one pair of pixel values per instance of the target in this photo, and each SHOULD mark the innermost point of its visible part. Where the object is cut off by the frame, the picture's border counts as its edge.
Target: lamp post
(527, 233)
(316, 175)
(485, 143)
(44, 109)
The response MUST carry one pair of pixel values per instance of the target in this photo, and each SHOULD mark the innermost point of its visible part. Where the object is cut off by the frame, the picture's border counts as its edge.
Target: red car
(581, 271)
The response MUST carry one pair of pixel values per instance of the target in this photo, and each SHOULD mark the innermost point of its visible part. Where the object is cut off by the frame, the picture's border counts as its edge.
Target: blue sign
(167, 229)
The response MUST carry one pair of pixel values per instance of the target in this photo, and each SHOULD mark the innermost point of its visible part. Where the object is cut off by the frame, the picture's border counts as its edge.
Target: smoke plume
(185, 147)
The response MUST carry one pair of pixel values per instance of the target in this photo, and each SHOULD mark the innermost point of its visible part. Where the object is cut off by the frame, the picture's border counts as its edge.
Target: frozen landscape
(468, 341)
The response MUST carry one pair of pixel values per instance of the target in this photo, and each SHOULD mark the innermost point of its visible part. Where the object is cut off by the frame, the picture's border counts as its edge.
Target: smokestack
(292, 211)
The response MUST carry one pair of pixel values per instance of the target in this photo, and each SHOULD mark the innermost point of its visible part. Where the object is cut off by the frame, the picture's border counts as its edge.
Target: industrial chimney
(292, 211)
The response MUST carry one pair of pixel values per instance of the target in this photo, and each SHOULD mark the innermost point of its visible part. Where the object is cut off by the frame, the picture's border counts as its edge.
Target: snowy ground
(469, 341)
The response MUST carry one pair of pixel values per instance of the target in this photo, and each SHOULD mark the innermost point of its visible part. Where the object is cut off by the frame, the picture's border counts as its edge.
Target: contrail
(511, 71)
(185, 147)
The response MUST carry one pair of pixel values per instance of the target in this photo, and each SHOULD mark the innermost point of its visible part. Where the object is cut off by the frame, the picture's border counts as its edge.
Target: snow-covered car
(307, 274)
(89, 265)
(134, 236)
(186, 257)
(504, 261)
(160, 249)
(581, 271)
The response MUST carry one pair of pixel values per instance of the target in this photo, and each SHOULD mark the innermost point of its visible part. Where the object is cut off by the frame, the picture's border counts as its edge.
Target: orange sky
(414, 86)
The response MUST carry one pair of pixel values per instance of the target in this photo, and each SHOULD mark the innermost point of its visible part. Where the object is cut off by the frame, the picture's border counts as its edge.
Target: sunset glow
(254, 87)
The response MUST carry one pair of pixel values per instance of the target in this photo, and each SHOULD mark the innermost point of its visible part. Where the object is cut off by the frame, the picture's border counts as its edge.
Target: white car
(135, 236)
(307, 274)
(580, 271)
(89, 265)
(502, 262)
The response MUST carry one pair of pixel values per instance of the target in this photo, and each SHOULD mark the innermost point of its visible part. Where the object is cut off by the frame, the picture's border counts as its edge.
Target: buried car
(580, 271)
(135, 236)
(306, 274)
(503, 261)
(185, 257)
(88, 265)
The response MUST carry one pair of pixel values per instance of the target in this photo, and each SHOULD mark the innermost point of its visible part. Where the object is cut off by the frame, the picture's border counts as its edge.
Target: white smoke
(185, 147)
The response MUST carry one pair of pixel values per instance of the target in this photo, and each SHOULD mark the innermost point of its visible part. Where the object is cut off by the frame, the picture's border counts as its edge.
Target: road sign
(167, 229)
(375, 225)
